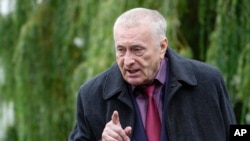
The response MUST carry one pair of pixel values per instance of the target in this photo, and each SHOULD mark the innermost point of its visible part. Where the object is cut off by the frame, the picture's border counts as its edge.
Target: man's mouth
(132, 72)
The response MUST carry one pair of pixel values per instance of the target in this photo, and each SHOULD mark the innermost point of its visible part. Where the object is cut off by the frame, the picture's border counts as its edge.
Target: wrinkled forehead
(139, 32)
(135, 32)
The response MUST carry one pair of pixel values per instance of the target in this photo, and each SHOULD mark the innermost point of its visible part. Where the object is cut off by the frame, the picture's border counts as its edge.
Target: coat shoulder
(97, 84)
(205, 71)
(191, 71)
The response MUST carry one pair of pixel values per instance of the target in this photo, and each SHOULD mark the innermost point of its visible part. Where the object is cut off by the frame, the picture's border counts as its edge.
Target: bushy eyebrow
(133, 45)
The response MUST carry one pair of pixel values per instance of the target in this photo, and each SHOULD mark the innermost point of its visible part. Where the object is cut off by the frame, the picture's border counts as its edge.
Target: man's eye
(120, 50)
(138, 51)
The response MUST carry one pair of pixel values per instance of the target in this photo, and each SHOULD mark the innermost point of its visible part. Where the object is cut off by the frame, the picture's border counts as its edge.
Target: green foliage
(228, 50)
(49, 49)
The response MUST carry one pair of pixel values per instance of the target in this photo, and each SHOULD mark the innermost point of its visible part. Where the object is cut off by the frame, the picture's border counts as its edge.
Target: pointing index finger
(115, 118)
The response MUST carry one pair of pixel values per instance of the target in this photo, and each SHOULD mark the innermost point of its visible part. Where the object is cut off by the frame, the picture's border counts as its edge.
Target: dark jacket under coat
(197, 108)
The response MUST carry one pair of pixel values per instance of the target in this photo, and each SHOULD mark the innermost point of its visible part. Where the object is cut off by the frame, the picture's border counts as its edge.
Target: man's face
(138, 54)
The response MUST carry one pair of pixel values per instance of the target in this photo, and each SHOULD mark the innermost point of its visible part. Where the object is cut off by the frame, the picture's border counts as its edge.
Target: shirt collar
(161, 75)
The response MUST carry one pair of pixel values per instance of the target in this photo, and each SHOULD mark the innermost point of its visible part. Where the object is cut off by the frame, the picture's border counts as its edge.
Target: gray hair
(145, 16)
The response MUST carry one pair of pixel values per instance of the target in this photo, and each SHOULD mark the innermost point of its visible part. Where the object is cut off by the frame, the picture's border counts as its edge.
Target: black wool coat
(197, 108)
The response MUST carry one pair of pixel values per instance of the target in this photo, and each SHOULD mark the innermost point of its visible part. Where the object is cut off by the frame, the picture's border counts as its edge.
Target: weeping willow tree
(49, 48)
(229, 50)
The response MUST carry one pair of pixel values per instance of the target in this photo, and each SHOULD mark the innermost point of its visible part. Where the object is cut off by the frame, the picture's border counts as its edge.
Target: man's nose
(129, 58)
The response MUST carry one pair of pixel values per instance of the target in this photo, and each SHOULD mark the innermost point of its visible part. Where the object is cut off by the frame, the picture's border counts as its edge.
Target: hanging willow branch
(50, 48)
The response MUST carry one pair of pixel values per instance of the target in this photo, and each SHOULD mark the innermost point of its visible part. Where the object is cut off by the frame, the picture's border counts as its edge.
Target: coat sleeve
(82, 130)
(226, 106)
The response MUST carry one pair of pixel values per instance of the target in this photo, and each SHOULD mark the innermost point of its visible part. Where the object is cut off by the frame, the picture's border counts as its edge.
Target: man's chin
(134, 82)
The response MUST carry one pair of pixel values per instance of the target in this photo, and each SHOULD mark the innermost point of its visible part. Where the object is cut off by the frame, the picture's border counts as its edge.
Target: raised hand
(113, 130)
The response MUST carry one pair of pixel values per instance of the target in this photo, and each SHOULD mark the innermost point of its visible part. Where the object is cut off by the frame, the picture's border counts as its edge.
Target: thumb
(115, 118)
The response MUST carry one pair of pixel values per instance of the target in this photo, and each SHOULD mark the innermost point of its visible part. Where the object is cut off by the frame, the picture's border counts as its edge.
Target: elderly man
(152, 93)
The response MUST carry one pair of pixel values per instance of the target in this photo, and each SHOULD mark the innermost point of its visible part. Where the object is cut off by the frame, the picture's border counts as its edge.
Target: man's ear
(164, 46)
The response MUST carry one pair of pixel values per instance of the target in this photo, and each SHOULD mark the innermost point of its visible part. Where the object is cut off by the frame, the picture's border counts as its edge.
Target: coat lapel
(115, 86)
(116, 93)
(180, 69)
(180, 73)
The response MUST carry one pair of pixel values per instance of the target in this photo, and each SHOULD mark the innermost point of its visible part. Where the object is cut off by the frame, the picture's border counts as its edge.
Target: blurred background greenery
(48, 48)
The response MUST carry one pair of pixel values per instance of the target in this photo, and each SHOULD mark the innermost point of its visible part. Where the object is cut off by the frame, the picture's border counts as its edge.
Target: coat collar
(180, 70)
(114, 83)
